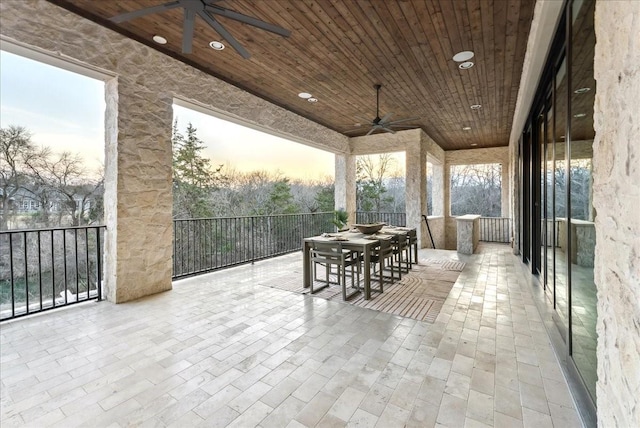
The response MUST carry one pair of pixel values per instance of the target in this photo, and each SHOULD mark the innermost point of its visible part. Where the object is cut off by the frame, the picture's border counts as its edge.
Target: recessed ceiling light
(312, 100)
(305, 95)
(463, 56)
(562, 137)
(160, 40)
(465, 65)
(579, 115)
(476, 107)
(466, 128)
(581, 90)
(216, 45)
(474, 144)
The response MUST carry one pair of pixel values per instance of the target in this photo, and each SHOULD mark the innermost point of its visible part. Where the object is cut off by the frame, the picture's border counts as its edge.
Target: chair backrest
(412, 236)
(399, 241)
(328, 249)
(384, 249)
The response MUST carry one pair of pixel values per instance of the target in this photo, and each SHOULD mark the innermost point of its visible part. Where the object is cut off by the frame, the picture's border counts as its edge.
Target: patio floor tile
(222, 350)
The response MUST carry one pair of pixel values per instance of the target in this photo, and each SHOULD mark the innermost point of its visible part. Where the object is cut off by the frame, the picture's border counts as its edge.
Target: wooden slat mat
(419, 295)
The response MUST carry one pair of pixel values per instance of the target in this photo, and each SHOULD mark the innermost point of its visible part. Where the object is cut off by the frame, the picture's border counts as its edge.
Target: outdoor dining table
(354, 241)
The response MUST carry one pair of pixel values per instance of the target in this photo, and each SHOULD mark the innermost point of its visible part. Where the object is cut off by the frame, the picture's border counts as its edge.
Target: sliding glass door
(558, 233)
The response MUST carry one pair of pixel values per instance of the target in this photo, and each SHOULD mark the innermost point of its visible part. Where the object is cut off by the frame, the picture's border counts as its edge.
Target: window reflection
(582, 230)
(560, 194)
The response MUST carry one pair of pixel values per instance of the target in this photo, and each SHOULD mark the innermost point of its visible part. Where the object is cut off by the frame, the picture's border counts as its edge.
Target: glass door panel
(560, 196)
(542, 206)
(550, 234)
(582, 230)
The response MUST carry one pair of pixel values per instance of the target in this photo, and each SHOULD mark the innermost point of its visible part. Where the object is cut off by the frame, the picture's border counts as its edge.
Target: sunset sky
(65, 111)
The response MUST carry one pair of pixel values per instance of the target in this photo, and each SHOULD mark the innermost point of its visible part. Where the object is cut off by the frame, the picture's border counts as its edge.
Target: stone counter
(468, 233)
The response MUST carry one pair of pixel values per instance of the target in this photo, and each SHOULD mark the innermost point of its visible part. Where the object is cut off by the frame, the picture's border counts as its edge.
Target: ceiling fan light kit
(207, 10)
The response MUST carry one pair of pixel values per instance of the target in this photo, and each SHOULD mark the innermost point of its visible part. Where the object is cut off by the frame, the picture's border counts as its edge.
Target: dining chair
(329, 254)
(401, 251)
(379, 256)
(412, 242)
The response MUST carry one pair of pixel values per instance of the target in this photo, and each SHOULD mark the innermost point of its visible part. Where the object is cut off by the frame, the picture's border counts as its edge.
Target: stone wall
(616, 198)
(470, 157)
(384, 142)
(345, 185)
(416, 189)
(138, 132)
(436, 224)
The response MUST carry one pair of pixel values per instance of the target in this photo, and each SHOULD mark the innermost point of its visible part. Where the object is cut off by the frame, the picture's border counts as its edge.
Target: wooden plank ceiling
(338, 50)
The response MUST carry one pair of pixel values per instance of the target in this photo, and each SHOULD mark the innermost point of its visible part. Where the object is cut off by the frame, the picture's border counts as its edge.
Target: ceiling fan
(205, 9)
(385, 123)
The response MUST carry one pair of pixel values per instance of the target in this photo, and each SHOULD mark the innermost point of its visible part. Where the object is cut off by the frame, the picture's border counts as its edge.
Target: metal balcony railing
(204, 245)
(395, 219)
(47, 268)
(495, 229)
(43, 269)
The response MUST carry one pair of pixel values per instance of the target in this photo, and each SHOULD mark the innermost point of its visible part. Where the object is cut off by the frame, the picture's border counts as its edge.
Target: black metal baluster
(64, 259)
(86, 254)
(75, 232)
(53, 272)
(13, 294)
(40, 268)
(99, 253)
(26, 273)
(211, 242)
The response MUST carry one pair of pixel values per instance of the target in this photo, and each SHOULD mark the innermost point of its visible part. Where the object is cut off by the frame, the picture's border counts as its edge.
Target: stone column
(616, 198)
(138, 195)
(416, 189)
(345, 187)
(437, 189)
(505, 185)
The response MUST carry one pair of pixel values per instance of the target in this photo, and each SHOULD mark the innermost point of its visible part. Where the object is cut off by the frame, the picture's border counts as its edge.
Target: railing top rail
(251, 216)
(48, 229)
(381, 212)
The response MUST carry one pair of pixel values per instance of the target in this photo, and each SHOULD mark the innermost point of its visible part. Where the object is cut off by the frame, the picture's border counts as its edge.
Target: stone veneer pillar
(437, 189)
(616, 198)
(138, 194)
(506, 189)
(345, 185)
(416, 188)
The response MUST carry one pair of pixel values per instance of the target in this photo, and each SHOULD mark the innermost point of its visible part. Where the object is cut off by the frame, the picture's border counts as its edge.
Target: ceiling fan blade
(224, 33)
(218, 10)
(388, 129)
(187, 30)
(353, 130)
(363, 120)
(386, 117)
(146, 11)
(371, 130)
(394, 122)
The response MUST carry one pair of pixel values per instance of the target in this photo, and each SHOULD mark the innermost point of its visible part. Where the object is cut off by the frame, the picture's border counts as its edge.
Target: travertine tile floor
(218, 350)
